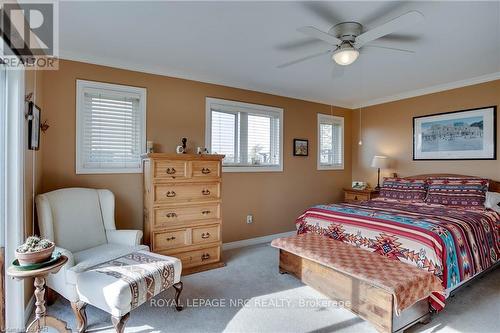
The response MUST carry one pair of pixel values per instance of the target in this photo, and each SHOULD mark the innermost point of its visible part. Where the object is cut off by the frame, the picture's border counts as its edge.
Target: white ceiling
(240, 44)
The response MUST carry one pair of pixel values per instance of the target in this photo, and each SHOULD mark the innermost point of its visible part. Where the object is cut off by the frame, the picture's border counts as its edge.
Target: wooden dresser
(182, 213)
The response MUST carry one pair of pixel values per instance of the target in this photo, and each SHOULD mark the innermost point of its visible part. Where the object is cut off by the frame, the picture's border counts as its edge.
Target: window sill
(330, 167)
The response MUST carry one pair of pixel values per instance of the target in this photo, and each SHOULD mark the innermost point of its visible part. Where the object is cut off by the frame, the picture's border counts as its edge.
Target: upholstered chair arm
(71, 260)
(124, 237)
(64, 281)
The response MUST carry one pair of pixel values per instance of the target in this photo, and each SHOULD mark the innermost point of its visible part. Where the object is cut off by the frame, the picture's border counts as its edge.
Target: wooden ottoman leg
(119, 322)
(81, 315)
(178, 289)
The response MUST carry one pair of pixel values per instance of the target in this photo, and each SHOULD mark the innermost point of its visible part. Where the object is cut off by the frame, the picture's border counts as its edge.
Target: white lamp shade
(381, 162)
(345, 55)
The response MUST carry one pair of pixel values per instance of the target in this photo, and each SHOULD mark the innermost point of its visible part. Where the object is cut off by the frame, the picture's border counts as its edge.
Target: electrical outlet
(249, 218)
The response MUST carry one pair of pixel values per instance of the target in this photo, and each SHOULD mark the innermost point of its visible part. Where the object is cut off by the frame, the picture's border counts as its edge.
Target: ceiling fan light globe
(345, 57)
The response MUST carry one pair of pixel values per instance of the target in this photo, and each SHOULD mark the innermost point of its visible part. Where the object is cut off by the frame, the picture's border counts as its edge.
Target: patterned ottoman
(120, 285)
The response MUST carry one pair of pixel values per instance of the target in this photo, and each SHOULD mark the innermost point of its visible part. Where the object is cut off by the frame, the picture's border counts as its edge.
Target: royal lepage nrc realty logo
(30, 34)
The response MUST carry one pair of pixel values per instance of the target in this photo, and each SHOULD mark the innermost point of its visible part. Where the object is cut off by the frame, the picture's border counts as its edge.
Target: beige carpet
(249, 295)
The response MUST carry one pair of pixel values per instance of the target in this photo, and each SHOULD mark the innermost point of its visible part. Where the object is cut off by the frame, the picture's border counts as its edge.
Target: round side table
(41, 320)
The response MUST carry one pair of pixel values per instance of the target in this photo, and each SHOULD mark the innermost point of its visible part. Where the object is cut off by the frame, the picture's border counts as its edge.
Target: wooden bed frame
(369, 302)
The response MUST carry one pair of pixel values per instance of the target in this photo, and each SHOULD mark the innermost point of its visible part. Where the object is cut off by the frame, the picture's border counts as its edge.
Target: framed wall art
(459, 135)
(300, 147)
(34, 114)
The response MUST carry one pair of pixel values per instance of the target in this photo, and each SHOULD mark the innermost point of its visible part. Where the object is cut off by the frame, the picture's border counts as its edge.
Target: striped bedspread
(452, 243)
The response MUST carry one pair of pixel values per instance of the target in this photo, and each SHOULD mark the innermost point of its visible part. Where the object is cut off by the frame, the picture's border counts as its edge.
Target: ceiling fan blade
(298, 44)
(390, 48)
(385, 10)
(322, 10)
(293, 62)
(398, 23)
(400, 38)
(316, 33)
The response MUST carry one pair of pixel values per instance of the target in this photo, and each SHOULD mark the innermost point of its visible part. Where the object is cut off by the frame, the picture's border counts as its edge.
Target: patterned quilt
(146, 275)
(452, 243)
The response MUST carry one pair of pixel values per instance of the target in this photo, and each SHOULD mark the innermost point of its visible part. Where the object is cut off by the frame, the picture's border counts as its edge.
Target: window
(250, 135)
(110, 128)
(331, 142)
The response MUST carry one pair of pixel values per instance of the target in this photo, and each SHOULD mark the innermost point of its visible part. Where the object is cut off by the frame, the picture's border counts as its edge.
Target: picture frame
(300, 147)
(358, 185)
(34, 116)
(458, 135)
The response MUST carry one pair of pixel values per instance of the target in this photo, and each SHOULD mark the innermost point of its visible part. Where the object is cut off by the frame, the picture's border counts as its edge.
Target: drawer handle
(355, 197)
(205, 256)
(205, 235)
(205, 192)
(170, 194)
(205, 171)
(171, 215)
(205, 212)
(171, 171)
(168, 239)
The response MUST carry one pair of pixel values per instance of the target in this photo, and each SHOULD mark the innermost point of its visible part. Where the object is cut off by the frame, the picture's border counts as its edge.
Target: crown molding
(431, 90)
(156, 70)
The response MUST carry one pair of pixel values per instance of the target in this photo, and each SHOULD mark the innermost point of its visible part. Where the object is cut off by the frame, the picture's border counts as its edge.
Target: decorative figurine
(182, 149)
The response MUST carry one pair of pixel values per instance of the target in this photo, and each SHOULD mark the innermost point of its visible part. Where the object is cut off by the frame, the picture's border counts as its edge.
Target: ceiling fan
(347, 38)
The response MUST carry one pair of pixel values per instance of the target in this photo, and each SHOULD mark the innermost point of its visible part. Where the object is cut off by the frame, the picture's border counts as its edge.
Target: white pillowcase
(492, 200)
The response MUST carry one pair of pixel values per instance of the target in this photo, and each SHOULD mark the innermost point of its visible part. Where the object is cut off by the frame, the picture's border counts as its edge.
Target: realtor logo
(29, 32)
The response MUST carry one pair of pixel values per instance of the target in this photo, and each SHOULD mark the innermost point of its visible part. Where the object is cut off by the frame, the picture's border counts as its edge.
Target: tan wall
(176, 109)
(32, 163)
(387, 130)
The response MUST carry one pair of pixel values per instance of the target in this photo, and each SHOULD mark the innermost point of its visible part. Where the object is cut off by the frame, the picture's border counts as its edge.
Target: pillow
(469, 192)
(493, 201)
(403, 189)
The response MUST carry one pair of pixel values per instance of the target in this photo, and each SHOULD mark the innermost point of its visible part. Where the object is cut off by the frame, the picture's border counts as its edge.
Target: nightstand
(353, 195)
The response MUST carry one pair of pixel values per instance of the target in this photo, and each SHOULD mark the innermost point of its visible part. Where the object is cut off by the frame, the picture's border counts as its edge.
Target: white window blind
(110, 128)
(331, 142)
(249, 135)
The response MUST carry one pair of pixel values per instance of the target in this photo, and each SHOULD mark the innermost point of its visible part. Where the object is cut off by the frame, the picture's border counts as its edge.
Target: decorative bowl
(29, 258)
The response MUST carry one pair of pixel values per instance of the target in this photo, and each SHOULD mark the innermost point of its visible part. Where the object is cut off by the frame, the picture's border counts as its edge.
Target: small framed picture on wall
(34, 114)
(300, 147)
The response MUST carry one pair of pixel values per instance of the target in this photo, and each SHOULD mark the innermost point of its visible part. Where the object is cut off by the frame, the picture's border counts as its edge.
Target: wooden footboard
(371, 303)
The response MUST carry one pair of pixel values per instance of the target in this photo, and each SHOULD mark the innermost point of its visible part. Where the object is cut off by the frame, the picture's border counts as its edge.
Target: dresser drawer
(166, 216)
(165, 193)
(170, 239)
(199, 257)
(206, 169)
(206, 234)
(356, 196)
(166, 169)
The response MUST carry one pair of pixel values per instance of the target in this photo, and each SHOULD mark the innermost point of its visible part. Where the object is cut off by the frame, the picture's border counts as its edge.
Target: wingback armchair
(102, 267)
(81, 222)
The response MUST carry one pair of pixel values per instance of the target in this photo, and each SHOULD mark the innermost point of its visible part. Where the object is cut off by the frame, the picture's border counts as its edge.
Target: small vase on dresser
(182, 213)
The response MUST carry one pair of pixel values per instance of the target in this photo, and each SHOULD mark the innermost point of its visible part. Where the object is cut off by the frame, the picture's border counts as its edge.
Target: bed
(454, 243)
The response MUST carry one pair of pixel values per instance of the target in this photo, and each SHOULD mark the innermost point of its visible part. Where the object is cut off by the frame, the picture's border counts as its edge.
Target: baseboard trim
(256, 240)
(28, 310)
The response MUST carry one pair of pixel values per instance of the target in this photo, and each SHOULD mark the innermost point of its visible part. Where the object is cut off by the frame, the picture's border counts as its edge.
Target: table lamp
(379, 162)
